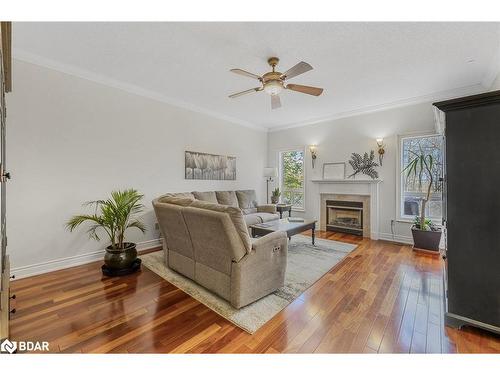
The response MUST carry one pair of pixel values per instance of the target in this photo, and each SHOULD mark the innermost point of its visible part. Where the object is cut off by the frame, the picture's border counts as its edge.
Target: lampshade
(270, 172)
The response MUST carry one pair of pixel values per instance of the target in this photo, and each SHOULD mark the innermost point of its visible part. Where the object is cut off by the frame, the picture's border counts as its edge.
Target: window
(411, 191)
(291, 175)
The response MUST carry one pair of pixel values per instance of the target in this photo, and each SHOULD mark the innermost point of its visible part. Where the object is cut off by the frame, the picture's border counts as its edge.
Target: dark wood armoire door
(472, 135)
(5, 83)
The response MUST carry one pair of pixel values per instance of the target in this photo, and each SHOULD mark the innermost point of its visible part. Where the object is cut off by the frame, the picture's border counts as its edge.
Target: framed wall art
(333, 171)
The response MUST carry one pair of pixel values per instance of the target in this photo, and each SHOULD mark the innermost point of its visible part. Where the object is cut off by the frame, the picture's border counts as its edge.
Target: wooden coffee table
(290, 227)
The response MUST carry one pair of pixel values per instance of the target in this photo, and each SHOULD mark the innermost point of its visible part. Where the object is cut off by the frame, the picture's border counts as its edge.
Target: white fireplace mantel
(361, 187)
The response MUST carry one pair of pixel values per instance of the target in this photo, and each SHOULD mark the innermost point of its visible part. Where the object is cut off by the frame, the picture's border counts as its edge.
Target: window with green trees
(292, 177)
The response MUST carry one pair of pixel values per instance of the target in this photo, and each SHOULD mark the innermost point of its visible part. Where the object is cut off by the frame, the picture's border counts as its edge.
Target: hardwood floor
(383, 298)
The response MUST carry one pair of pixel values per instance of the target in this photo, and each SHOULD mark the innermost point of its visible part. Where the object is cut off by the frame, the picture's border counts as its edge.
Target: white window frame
(280, 175)
(399, 180)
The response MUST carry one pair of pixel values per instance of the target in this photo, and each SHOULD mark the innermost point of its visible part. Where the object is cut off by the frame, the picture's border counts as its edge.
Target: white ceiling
(360, 65)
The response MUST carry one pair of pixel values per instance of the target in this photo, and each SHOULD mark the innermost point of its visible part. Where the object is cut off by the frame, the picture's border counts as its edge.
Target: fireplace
(364, 191)
(344, 216)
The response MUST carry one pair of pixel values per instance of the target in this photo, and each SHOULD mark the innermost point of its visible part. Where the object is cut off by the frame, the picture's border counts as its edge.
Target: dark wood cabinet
(5, 85)
(472, 210)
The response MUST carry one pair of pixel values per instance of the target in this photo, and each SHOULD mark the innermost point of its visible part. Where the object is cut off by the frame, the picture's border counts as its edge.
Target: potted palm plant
(114, 216)
(425, 234)
(275, 196)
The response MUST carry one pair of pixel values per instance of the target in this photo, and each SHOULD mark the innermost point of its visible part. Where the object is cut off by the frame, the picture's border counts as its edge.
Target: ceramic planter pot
(274, 199)
(119, 259)
(426, 239)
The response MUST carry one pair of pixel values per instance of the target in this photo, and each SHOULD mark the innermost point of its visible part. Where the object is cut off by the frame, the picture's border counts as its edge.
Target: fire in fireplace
(344, 216)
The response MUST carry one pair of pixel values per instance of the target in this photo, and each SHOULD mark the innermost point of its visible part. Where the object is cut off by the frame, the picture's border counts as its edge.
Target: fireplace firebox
(344, 216)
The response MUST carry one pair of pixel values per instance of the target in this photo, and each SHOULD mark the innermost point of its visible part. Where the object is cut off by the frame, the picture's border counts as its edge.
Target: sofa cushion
(266, 216)
(236, 218)
(206, 196)
(180, 201)
(247, 199)
(227, 198)
(252, 219)
(179, 195)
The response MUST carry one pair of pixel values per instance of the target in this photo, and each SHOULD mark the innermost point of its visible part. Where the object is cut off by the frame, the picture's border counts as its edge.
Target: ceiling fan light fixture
(273, 87)
(274, 82)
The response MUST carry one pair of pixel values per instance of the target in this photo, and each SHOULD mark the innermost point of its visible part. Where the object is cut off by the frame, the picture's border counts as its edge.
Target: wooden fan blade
(275, 101)
(246, 74)
(244, 92)
(316, 91)
(295, 70)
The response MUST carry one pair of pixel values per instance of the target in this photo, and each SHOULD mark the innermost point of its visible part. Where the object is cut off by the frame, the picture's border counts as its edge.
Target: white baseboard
(403, 239)
(396, 238)
(77, 260)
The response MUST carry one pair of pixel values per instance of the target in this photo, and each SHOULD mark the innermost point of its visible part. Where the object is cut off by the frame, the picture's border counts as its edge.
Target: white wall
(71, 140)
(337, 139)
(496, 84)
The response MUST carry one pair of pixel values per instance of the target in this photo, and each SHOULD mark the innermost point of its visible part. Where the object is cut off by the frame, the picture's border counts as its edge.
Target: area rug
(306, 264)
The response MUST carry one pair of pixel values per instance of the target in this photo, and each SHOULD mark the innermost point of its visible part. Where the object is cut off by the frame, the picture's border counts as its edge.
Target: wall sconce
(312, 148)
(381, 150)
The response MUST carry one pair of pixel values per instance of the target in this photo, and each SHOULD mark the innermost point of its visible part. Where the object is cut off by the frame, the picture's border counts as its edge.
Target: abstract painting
(201, 166)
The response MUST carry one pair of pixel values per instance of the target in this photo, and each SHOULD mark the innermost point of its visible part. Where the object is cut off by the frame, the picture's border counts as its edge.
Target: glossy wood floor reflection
(382, 298)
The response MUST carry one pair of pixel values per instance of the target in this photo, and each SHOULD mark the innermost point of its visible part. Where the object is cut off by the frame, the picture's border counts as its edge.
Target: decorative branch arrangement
(421, 167)
(364, 164)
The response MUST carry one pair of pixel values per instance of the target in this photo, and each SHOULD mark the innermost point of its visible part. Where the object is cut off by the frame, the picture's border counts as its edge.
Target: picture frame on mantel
(333, 171)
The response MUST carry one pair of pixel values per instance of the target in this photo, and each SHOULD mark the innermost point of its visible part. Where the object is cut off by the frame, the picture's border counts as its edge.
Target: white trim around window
(278, 159)
(399, 175)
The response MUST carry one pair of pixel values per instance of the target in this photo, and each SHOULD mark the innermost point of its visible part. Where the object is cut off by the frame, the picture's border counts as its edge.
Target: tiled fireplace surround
(365, 191)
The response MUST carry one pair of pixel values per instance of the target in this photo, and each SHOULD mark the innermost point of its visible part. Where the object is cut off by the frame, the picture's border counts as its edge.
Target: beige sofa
(246, 200)
(209, 243)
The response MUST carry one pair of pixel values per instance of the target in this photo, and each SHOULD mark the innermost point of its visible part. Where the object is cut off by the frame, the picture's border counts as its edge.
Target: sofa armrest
(260, 272)
(270, 241)
(269, 208)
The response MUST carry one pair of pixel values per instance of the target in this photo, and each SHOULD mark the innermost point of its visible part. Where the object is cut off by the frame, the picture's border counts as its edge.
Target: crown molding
(460, 91)
(72, 70)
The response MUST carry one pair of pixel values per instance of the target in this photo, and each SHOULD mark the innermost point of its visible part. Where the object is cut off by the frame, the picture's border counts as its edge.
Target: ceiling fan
(274, 82)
